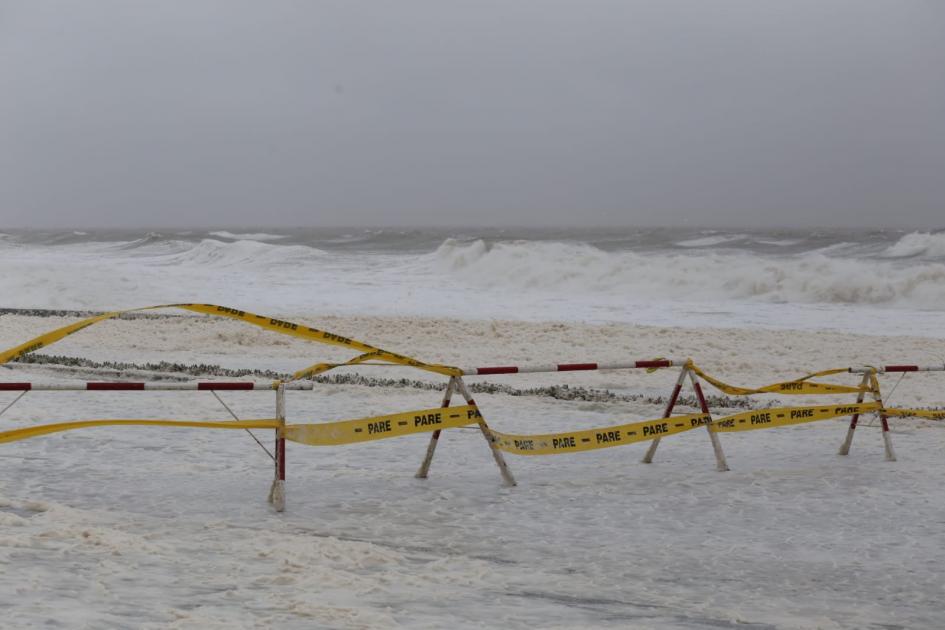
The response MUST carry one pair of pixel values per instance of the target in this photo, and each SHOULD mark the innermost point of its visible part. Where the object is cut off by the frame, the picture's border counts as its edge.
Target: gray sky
(525, 112)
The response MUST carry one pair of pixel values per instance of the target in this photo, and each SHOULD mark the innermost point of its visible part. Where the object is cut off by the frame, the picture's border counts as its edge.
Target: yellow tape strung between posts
(45, 429)
(382, 427)
(619, 435)
(801, 386)
(269, 323)
(426, 420)
(785, 416)
(932, 414)
(591, 439)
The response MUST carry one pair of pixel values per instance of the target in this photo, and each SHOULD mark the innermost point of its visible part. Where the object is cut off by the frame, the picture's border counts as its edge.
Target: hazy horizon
(825, 113)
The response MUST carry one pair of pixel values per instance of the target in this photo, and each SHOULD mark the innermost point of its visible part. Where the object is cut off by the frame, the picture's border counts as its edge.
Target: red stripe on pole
(497, 370)
(114, 386)
(653, 364)
(901, 368)
(15, 387)
(221, 386)
(570, 367)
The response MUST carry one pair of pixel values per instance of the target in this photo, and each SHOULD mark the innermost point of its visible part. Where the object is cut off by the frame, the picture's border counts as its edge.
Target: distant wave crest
(918, 244)
(583, 269)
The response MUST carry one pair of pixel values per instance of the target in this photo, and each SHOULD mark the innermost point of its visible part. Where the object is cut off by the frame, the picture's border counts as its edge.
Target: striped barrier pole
(897, 368)
(130, 386)
(277, 492)
(571, 367)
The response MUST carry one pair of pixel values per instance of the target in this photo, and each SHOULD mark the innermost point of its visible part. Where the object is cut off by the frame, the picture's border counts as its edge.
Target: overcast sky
(487, 112)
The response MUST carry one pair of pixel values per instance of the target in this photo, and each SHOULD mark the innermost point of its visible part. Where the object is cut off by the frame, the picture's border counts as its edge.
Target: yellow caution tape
(932, 414)
(382, 427)
(592, 439)
(426, 420)
(619, 435)
(269, 323)
(45, 429)
(801, 386)
(785, 416)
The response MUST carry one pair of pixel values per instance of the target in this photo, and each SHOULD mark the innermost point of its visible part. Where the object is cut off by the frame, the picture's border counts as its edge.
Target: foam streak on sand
(171, 529)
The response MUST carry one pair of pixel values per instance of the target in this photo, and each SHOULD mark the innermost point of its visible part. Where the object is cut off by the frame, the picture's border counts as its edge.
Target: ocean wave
(253, 236)
(582, 269)
(918, 245)
(712, 241)
(214, 253)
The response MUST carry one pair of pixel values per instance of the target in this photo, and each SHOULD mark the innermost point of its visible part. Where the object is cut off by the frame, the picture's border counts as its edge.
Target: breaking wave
(805, 278)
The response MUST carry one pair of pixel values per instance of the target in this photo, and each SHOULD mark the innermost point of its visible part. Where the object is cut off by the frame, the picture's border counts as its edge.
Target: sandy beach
(170, 528)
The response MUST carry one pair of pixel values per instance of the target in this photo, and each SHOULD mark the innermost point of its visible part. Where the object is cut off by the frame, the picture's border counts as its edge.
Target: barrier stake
(651, 451)
(883, 418)
(435, 437)
(484, 428)
(845, 447)
(277, 492)
(720, 464)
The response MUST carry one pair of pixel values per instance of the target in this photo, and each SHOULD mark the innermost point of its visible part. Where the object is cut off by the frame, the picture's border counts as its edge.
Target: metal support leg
(487, 434)
(651, 451)
(435, 438)
(720, 464)
(883, 419)
(845, 447)
(15, 400)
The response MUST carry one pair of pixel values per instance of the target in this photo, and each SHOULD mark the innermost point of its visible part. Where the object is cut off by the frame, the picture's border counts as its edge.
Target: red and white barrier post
(435, 437)
(670, 404)
(845, 447)
(872, 383)
(456, 384)
(720, 462)
(277, 492)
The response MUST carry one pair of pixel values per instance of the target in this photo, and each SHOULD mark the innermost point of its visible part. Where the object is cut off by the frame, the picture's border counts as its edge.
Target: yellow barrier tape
(932, 414)
(785, 416)
(382, 427)
(269, 323)
(45, 429)
(801, 386)
(426, 420)
(592, 439)
(619, 435)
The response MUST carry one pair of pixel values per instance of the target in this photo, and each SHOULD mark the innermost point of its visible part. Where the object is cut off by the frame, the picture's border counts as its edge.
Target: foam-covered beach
(166, 527)
(170, 528)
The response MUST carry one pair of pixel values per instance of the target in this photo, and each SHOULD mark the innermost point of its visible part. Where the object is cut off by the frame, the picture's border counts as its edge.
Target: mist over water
(884, 281)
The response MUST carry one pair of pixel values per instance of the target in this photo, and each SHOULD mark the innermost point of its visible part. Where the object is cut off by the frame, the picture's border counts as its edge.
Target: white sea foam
(583, 269)
(711, 241)
(918, 244)
(252, 236)
(829, 285)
